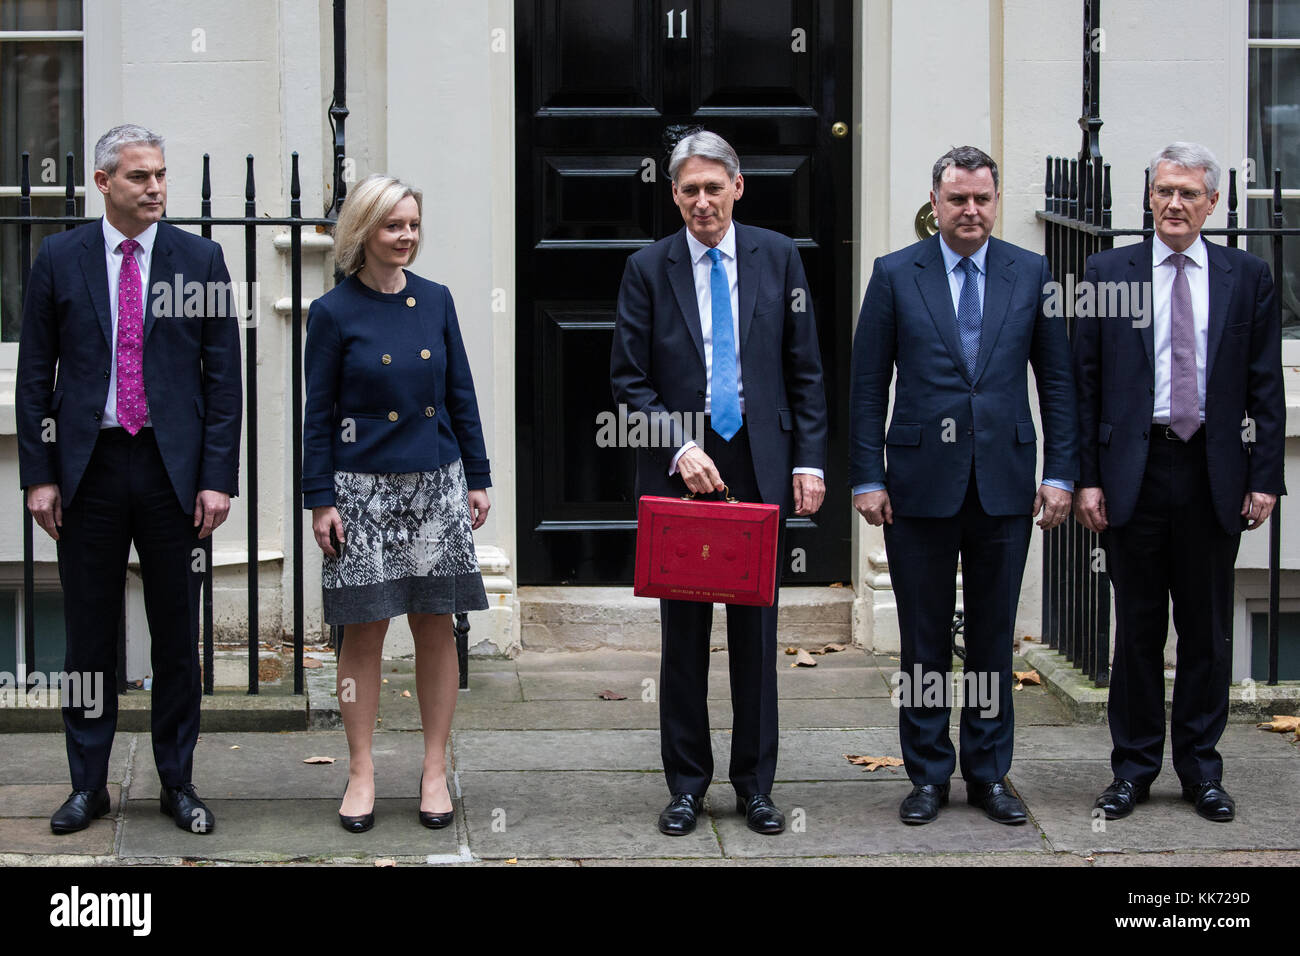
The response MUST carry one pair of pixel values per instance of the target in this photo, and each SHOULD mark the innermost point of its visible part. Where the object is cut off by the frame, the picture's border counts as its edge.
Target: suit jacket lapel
(932, 280)
(1140, 277)
(1221, 283)
(681, 278)
(160, 265)
(746, 278)
(999, 280)
(95, 270)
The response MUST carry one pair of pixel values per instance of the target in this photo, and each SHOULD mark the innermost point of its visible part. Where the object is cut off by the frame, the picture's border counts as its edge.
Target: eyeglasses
(1186, 195)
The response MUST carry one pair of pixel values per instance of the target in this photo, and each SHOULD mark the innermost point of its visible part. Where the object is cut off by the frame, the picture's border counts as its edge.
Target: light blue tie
(726, 394)
(968, 315)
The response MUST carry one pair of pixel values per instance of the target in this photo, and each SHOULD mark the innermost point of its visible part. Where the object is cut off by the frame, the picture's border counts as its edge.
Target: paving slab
(43, 758)
(273, 831)
(631, 714)
(509, 750)
(1060, 795)
(858, 818)
(41, 800)
(32, 835)
(577, 815)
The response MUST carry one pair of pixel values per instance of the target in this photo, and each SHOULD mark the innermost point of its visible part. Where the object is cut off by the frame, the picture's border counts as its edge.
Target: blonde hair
(364, 210)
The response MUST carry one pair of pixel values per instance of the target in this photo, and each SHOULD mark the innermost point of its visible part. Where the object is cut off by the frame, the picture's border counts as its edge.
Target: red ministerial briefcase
(710, 551)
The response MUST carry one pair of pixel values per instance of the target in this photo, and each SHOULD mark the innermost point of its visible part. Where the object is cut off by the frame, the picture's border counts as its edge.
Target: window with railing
(41, 113)
(1273, 137)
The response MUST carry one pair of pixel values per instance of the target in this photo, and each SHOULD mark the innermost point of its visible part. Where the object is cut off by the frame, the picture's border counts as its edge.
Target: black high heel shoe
(356, 824)
(435, 821)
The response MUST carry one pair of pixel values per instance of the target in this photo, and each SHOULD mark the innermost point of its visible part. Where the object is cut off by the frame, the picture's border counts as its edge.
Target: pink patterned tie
(1184, 396)
(132, 410)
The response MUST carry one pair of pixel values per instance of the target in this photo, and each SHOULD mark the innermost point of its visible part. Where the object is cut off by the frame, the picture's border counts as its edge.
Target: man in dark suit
(961, 315)
(135, 441)
(1182, 421)
(717, 318)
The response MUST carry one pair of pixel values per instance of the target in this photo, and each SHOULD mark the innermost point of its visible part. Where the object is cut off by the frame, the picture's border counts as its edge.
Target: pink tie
(132, 410)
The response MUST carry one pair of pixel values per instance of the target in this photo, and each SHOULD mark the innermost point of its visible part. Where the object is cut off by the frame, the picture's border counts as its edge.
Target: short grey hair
(706, 145)
(964, 157)
(108, 151)
(1188, 156)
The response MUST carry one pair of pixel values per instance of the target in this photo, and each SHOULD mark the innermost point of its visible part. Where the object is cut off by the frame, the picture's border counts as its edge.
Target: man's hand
(1055, 505)
(46, 505)
(1257, 506)
(699, 472)
(1090, 509)
(875, 507)
(324, 518)
(210, 510)
(809, 490)
(478, 507)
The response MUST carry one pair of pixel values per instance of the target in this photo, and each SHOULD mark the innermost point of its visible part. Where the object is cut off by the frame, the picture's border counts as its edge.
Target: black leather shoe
(923, 803)
(1118, 800)
(997, 801)
(1212, 801)
(79, 809)
(435, 821)
(183, 805)
(760, 813)
(358, 824)
(678, 818)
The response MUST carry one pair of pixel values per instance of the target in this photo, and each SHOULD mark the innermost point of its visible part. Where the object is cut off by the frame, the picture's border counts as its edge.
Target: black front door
(601, 88)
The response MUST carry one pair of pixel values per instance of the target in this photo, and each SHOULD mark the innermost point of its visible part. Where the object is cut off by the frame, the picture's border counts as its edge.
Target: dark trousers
(923, 554)
(751, 652)
(125, 496)
(1173, 547)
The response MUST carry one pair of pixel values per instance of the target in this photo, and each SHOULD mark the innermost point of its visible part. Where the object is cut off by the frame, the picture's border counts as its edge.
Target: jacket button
(410, 302)
(1144, 434)
(699, 393)
(98, 415)
(425, 353)
(392, 416)
(106, 374)
(1151, 390)
(386, 359)
(429, 411)
(971, 430)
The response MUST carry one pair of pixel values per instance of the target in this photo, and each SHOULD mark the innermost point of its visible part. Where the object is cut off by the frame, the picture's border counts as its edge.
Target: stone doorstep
(1086, 703)
(586, 618)
(230, 711)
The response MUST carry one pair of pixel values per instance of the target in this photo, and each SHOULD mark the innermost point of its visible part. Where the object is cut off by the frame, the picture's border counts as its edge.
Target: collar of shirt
(113, 238)
(699, 250)
(951, 259)
(1196, 252)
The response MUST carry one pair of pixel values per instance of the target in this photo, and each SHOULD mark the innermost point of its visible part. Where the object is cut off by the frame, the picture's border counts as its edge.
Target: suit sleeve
(1265, 392)
(629, 360)
(462, 404)
(1088, 384)
(1054, 373)
(322, 357)
(38, 351)
(874, 348)
(222, 390)
(802, 364)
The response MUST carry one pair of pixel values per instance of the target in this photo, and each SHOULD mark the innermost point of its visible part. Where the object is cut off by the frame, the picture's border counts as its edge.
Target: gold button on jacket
(392, 416)
(429, 411)
(386, 359)
(425, 353)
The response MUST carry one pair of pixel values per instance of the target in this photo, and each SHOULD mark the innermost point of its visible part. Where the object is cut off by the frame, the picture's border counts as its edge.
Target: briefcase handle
(726, 495)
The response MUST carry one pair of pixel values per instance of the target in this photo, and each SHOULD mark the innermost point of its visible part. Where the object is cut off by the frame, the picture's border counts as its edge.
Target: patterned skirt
(407, 548)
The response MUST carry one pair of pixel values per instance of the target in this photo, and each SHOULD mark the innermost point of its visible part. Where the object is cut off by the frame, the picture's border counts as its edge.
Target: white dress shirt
(113, 259)
(1162, 295)
(702, 271)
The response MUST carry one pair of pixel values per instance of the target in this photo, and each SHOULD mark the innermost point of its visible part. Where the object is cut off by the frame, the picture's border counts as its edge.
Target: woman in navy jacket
(395, 473)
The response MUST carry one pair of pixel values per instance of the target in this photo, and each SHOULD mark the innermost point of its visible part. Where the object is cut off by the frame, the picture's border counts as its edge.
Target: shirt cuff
(868, 486)
(810, 471)
(1063, 483)
(672, 467)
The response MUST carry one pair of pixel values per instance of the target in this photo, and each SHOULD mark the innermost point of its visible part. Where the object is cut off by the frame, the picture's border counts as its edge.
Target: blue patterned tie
(968, 315)
(726, 394)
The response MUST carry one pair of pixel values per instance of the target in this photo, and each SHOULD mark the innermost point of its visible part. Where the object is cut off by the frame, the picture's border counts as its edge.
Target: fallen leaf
(831, 649)
(1026, 677)
(836, 584)
(804, 659)
(385, 862)
(311, 662)
(1282, 724)
(319, 760)
(406, 693)
(513, 860)
(385, 680)
(234, 747)
(792, 650)
(1030, 638)
(611, 695)
(874, 763)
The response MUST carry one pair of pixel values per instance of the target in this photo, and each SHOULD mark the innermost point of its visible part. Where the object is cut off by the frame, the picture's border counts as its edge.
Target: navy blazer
(943, 416)
(1115, 369)
(389, 387)
(191, 363)
(657, 359)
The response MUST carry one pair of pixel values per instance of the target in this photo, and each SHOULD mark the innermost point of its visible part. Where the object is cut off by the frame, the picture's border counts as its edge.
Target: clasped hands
(701, 476)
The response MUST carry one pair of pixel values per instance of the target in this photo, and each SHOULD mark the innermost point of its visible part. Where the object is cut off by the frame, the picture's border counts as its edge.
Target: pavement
(546, 771)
